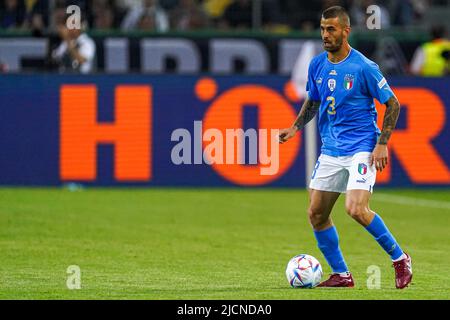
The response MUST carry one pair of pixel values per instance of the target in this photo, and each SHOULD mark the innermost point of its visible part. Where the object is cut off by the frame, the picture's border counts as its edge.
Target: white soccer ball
(304, 271)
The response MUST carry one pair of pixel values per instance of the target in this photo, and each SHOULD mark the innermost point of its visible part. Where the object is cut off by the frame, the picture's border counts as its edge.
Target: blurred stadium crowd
(420, 46)
(41, 16)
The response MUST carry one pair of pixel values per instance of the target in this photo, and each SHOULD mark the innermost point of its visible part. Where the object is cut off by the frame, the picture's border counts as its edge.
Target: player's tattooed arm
(390, 119)
(380, 153)
(306, 114)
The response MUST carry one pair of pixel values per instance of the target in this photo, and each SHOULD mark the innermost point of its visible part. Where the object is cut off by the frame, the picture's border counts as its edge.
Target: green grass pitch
(206, 244)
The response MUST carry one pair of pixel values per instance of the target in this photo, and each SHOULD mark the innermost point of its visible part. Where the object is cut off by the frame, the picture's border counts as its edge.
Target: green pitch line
(206, 244)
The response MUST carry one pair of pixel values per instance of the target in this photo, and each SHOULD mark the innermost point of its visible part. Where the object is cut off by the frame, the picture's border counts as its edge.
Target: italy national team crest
(348, 81)
(362, 168)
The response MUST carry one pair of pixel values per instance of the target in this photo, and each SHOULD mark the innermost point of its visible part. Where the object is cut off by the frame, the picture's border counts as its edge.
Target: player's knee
(356, 209)
(316, 217)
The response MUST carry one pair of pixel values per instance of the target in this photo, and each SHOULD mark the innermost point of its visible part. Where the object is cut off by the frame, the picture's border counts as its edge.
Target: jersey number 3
(331, 108)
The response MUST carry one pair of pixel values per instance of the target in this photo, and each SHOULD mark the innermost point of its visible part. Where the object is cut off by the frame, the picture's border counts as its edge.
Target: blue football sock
(328, 242)
(381, 233)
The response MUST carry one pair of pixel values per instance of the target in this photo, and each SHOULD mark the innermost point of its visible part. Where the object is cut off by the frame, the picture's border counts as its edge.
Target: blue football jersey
(347, 115)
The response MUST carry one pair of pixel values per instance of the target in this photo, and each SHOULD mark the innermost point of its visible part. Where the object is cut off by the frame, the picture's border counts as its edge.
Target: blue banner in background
(135, 129)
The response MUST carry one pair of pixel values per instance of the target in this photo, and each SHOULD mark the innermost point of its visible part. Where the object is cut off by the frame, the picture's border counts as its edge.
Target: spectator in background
(215, 8)
(239, 14)
(402, 12)
(12, 14)
(147, 22)
(301, 15)
(148, 16)
(76, 53)
(58, 15)
(188, 15)
(36, 16)
(105, 20)
(419, 8)
(432, 58)
(103, 14)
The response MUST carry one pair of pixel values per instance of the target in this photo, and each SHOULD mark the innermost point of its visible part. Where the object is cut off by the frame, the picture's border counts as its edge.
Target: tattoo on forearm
(307, 113)
(390, 119)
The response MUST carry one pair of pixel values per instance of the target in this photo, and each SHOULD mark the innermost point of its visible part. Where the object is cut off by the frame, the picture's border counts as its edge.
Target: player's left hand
(379, 157)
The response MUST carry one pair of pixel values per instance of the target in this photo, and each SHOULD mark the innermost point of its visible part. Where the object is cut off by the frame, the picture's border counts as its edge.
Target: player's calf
(358, 209)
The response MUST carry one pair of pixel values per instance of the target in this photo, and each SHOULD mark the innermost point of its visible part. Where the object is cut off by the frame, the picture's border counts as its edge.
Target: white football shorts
(339, 174)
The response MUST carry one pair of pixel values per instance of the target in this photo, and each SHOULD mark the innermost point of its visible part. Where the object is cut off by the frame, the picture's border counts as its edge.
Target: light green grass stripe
(412, 201)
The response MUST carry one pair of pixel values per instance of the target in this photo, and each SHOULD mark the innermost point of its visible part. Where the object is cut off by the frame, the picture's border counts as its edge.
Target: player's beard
(336, 47)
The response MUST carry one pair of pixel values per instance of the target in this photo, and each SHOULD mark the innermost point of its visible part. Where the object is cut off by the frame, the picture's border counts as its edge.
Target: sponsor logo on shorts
(362, 168)
(362, 180)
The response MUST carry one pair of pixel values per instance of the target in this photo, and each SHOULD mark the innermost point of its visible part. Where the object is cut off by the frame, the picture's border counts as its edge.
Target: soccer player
(342, 84)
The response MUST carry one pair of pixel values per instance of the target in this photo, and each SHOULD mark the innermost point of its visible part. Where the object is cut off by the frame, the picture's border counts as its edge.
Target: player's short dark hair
(337, 12)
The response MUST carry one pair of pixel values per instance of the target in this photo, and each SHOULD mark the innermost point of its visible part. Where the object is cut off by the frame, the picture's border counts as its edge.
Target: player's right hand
(286, 134)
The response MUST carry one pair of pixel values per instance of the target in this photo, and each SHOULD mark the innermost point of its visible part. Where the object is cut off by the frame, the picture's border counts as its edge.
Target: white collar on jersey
(349, 52)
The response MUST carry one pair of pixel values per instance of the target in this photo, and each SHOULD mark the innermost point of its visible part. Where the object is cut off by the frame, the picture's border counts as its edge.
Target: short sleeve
(87, 50)
(377, 85)
(311, 86)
